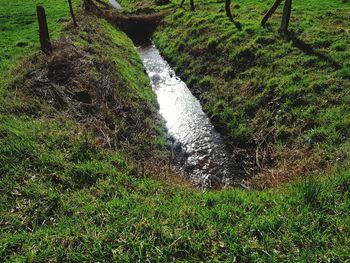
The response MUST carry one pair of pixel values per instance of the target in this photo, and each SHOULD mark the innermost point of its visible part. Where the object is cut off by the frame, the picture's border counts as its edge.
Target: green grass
(65, 197)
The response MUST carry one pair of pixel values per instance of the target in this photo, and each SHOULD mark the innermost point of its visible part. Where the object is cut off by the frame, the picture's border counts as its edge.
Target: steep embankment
(284, 99)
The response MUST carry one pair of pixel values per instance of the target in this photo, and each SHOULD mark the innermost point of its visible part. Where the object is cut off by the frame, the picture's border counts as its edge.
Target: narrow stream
(207, 161)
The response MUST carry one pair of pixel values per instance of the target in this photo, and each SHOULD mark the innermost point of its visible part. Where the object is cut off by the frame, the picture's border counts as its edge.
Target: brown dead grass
(291, 165)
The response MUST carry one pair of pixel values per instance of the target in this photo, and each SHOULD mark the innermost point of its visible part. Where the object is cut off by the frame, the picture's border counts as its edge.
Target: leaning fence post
(43, 30)
(72, 12)
(286, 16)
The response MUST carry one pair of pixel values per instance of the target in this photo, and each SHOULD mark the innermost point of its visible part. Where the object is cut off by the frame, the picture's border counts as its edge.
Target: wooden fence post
(287, 10)
(192, 5)
(228, 9)
(43, 30)
(72, 13)
(270, 12)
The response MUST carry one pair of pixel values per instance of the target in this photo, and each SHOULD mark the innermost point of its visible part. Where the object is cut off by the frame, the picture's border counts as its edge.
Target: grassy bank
(80, 151)
(282, 98)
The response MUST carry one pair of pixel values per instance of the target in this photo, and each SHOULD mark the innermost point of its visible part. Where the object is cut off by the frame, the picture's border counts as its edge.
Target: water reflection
(208, 159)
(115, 4)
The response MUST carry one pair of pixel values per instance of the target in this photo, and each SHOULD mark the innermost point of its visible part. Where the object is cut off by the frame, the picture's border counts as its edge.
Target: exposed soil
(139, 27)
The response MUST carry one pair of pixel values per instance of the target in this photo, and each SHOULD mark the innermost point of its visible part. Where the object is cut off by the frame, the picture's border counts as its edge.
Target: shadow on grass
(309, 50)
(237, 24)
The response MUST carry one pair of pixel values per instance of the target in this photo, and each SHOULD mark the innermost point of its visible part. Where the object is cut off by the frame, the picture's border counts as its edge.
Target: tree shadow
(237, 24)
(309, 50)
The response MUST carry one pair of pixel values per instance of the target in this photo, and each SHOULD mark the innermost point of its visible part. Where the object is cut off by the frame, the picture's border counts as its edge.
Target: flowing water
(207, 161)
(115, 4)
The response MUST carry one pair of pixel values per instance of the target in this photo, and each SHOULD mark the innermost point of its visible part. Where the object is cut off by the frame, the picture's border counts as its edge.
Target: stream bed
(208, 163)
